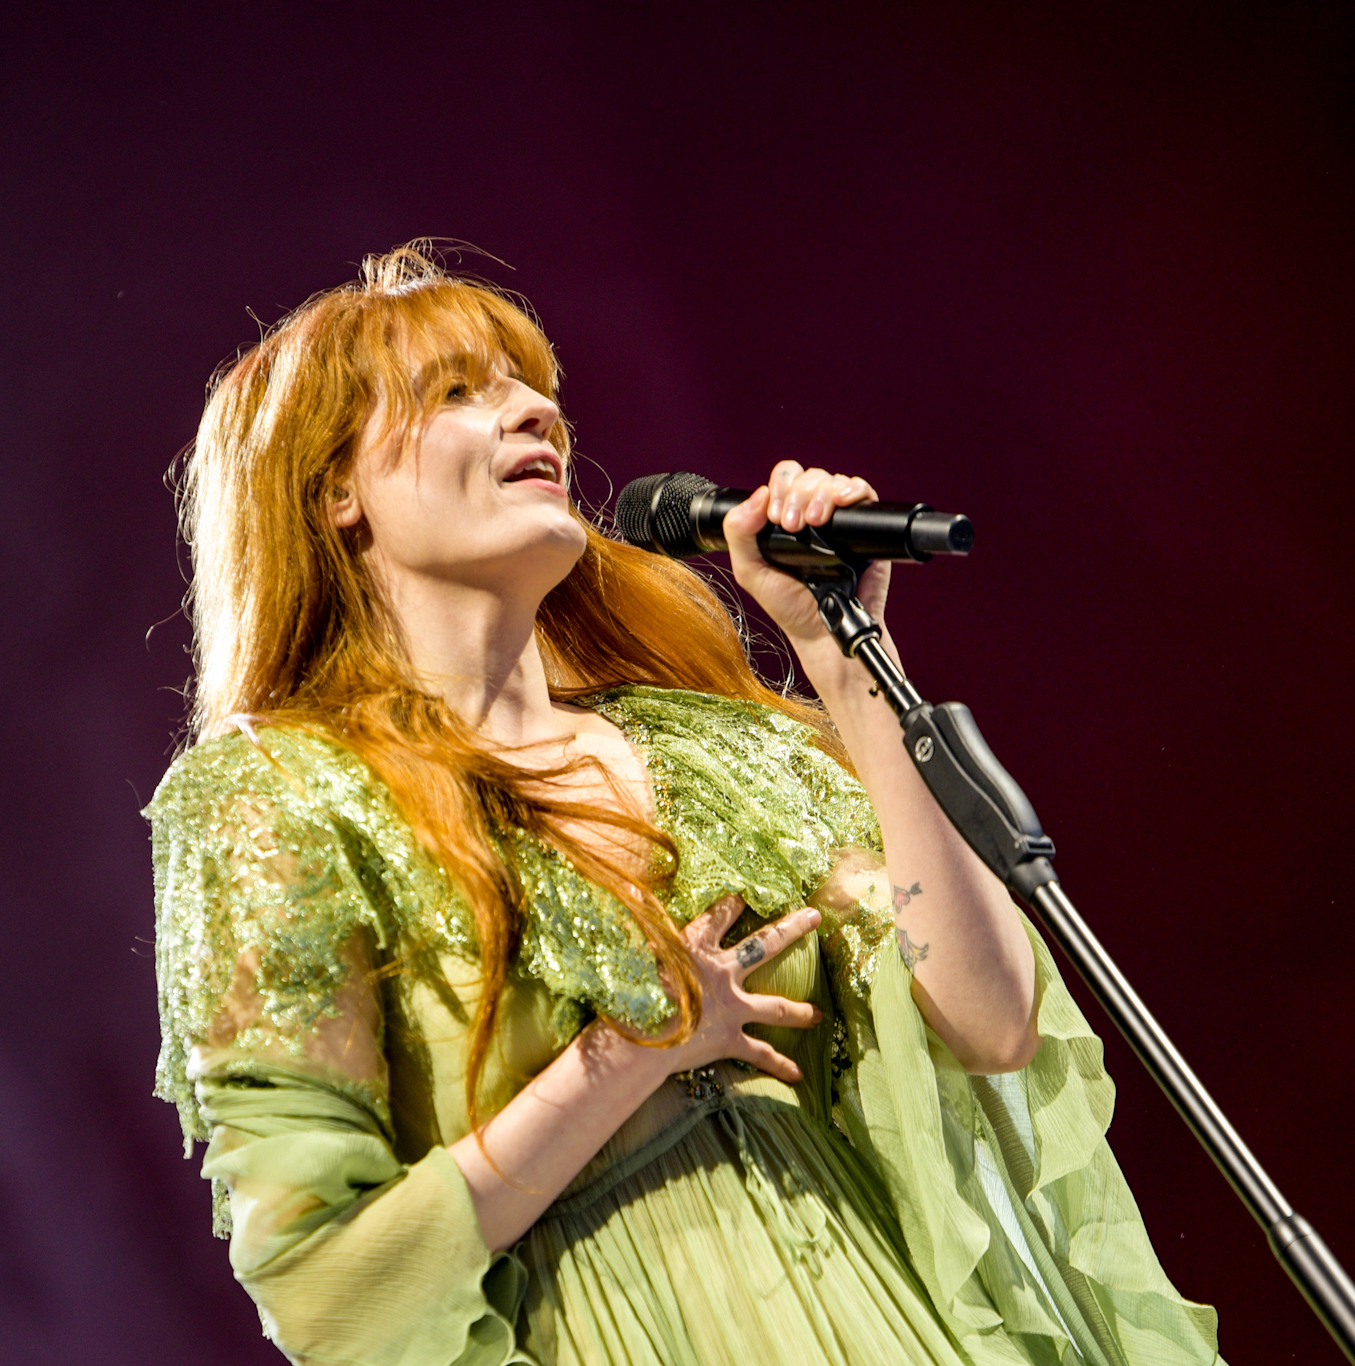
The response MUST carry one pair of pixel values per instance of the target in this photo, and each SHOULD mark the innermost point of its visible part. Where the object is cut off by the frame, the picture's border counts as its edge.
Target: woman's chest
(429, 1027)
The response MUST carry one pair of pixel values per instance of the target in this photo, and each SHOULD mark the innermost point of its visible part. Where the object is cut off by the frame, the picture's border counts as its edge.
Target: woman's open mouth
(538, 469)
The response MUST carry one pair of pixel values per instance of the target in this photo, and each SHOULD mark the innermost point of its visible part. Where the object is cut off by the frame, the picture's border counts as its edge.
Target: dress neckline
(610, 705)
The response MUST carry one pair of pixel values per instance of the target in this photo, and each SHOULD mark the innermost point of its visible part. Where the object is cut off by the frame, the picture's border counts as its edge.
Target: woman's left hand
(794, 497)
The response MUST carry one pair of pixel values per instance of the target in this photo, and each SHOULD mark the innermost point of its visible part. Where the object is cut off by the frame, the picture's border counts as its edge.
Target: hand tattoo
(912, 953)
(749, 952)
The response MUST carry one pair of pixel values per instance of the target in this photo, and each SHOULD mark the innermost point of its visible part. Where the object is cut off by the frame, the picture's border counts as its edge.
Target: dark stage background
(1083, 272)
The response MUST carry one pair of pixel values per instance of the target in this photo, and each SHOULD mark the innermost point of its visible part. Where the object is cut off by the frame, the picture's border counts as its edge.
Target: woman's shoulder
(725, 765)
(269, 790)
(760, 742)
(304, 787)
(682, 709)
(274, 763)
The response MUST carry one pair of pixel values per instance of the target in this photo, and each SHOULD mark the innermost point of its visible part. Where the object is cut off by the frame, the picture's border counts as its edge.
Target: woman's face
(478, 498)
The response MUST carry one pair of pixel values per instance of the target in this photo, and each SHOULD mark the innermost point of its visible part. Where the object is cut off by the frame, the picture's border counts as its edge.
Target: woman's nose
(530, 411)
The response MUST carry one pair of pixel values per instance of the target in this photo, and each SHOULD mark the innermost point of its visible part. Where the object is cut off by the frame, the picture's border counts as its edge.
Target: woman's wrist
(638, 1067)
(840, 681)
(527, 1153)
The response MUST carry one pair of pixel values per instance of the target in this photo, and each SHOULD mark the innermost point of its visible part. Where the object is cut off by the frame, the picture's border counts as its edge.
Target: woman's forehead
(426, 340)
(448, 341)
(472, 363)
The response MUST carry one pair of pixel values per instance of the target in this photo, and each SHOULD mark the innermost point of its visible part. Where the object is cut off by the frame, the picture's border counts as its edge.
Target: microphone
(681, 515)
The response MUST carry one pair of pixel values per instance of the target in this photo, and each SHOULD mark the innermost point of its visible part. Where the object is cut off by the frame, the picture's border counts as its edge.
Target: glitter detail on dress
(701, 1083)
(274, 858)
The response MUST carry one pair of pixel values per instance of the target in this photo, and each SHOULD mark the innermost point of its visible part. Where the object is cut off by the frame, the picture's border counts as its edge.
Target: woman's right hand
(726, 1007)
(540, 1141)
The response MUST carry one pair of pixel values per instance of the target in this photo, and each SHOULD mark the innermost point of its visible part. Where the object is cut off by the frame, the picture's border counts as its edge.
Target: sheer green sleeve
(1013, 1206)
(273, 914)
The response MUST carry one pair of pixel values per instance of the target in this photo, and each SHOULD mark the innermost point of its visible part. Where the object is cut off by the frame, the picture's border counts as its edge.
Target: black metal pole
(992, 813)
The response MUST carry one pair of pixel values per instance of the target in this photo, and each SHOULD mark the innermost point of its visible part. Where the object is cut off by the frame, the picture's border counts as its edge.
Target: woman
(531, 967)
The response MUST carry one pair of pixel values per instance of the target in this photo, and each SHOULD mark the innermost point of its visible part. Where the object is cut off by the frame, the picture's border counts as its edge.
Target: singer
(547, 988)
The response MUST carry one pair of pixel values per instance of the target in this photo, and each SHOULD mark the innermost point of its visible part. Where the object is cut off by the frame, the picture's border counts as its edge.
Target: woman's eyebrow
(435, 372)
(445, 362)
(464, 362)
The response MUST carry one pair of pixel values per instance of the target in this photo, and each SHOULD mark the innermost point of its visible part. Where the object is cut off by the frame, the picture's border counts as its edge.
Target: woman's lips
(540, 482)
(538, 465)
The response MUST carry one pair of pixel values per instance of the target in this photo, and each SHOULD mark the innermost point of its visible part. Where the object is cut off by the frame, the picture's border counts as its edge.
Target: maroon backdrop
(1083, 272)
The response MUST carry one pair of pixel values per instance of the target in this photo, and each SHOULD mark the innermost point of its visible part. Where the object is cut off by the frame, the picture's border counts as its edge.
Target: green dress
(317, 978)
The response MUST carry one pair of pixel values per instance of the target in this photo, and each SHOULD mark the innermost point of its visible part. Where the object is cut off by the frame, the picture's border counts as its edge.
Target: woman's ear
(345, 510)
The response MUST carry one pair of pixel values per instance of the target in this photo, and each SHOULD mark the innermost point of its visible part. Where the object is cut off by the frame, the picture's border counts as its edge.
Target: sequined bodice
(285, 853)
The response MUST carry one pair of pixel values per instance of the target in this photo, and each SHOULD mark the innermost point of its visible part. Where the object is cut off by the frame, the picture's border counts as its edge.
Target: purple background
(1083, 272)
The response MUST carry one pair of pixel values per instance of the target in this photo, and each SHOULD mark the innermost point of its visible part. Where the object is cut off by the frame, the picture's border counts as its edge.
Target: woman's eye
(458, 391)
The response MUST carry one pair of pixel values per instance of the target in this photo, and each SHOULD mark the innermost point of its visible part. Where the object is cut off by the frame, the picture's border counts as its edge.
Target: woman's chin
(547, 557)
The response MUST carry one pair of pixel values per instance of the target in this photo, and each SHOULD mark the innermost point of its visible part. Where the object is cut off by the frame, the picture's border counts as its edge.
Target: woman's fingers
(781, 1012)
(771, 939)
(766, 1059)
(779, 482)
(847, 491)
(808, 497)
(799, 497)
(714, 922)
(726, 1006)
(804, 500)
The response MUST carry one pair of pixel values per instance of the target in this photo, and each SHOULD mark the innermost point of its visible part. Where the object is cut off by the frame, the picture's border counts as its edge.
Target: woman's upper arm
(269, 954)
(266, 943)
(858, 917)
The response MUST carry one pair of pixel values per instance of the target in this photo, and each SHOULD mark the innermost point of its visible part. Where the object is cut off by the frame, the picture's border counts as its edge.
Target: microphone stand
(987, 807)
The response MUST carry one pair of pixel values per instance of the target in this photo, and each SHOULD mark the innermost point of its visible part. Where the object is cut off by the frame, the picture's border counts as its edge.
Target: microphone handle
(868, 531)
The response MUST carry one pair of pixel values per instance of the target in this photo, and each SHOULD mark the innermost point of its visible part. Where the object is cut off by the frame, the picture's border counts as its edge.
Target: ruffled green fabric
(679, 1265)
(1016, 1215)
(431, 1292)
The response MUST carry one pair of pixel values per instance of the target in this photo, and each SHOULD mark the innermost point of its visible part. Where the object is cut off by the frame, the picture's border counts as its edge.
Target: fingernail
(815, 918)
(790, 517)
(818, 1015)
(774, 508)
(814, 510)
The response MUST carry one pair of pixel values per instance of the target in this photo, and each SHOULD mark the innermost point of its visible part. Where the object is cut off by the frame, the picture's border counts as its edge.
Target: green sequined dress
(888, 1208)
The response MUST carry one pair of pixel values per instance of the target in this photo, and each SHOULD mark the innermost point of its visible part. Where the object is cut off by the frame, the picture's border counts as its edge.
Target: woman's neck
(477, 649)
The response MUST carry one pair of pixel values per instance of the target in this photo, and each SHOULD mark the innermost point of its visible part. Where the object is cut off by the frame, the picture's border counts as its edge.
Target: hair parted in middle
(290, 627)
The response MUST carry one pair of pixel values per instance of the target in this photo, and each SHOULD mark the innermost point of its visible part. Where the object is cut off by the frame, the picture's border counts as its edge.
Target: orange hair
(289, 626)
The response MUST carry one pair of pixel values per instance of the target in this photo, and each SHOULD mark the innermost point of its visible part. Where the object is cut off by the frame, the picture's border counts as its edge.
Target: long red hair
(289, 626)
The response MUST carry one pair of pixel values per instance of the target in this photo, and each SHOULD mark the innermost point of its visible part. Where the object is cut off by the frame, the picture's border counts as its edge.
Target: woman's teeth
(542, 467)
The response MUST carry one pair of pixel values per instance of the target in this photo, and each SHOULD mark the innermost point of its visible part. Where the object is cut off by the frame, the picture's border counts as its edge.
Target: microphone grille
(655, 513)
(634, 517)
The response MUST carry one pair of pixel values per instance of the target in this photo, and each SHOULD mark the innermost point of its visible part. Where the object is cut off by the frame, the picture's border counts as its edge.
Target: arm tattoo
(750, 951)
(903, 895)
(912, 953)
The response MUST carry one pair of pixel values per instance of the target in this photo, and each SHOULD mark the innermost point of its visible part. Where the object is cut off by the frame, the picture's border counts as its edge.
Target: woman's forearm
(973, 970)
(536, 1145)
(544, 1137)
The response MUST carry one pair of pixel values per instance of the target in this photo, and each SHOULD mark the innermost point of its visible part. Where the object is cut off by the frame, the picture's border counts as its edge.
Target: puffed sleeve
(272, 922)
(1013, 1206)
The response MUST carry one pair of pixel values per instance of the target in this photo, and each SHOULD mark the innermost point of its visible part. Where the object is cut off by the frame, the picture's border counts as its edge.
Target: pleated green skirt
(760, 1236)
